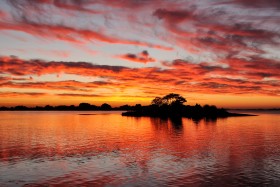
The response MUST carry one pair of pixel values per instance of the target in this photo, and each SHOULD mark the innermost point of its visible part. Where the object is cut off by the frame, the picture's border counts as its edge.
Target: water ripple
(47, 149)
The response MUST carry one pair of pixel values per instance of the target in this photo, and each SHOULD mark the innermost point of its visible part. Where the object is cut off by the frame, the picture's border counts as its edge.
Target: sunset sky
(221, 52)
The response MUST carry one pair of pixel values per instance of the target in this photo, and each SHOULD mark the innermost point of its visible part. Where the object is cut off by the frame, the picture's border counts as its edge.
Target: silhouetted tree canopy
(157, 101)
(106, 106)
(84, 105)
(170, 99)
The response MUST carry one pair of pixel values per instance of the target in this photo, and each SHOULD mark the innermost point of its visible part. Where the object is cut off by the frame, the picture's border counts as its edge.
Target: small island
(172, 105)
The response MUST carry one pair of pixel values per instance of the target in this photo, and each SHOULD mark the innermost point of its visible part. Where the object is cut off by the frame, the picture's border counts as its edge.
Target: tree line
(171, 105)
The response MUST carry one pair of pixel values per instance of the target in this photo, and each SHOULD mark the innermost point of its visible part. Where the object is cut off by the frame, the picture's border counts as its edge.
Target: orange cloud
(180, 75)
(78, 95)
(20, 94)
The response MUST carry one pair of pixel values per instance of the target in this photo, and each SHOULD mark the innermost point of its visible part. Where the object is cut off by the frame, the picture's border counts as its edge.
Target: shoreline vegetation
(171, 105)
(81, 107)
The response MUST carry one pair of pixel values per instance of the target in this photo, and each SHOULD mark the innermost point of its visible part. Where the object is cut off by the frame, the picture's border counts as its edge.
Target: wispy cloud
(142, 57)
(20, 94)
(78, 95)
(36, 18)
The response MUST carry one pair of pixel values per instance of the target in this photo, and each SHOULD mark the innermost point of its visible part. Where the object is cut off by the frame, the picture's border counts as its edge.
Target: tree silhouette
(84, 106)
(170, 100)
(105, 106)
(174, 99)
(157, 101)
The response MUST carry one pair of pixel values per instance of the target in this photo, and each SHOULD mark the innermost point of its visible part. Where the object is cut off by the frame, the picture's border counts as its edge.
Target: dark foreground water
(106, 149)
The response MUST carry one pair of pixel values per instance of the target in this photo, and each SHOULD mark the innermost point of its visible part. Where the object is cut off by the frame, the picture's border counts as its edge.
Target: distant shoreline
(117, 109)
(57, 110)
(121, 108)
(258, 109)
(125, 110)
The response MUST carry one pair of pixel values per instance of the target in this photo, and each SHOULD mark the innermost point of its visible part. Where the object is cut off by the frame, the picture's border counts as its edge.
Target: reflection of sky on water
(71, 149)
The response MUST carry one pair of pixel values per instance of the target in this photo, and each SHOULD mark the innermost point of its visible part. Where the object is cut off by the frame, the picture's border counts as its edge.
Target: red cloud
(190, 25)
(25, 21)
(238, 41)
(58, 85)
(257, 3)
(2, 14)
(174, 16)
(70, 34)
(37, 5)
(199, 29)
(180, 76)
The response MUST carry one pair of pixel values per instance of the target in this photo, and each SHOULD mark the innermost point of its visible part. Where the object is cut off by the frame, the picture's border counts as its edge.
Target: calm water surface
(106, 149)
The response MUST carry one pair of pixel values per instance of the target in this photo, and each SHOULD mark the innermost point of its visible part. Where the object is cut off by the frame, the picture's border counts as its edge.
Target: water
(106, 149)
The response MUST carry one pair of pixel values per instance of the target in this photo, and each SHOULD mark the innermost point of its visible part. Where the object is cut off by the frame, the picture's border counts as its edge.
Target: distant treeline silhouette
(171, 105)
(80, 107)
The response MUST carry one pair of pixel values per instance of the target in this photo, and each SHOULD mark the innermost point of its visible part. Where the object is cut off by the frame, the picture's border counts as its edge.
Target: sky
(64, 52)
